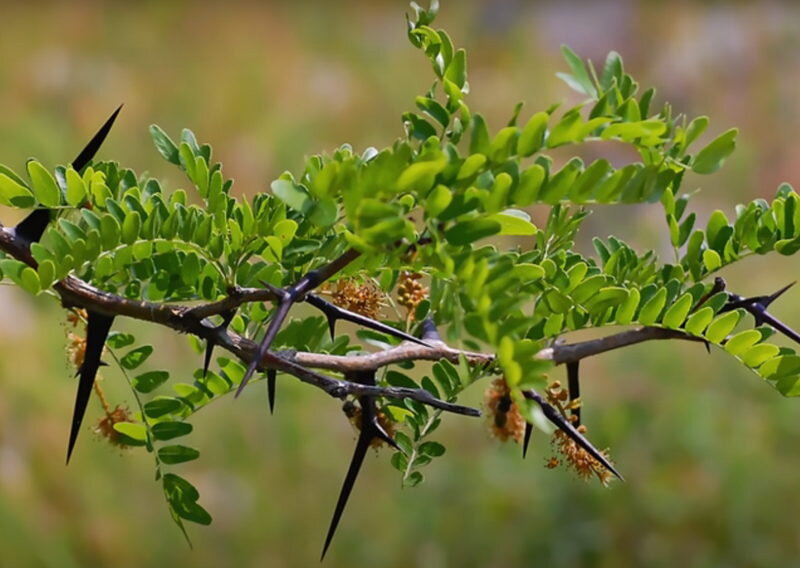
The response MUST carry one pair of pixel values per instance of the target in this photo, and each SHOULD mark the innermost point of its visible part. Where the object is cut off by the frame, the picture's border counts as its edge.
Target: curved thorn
(97, 330)
(527, 440)
(272, 374)
(333, 311)
(563, 424)
(573, 382)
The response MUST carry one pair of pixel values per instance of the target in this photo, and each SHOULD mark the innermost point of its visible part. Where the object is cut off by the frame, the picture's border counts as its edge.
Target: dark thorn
(370, 428)
(527, 440)
(429, 330)
(332, 311)
(94, 144)
(564, 425)
(362, 445)
(272, 374)
(708, 346)
(331, 325)
(32, 227)
(226, 320)
(207, 360)
(272, 330)
(774, 296)
(97, 330)
(573, 382)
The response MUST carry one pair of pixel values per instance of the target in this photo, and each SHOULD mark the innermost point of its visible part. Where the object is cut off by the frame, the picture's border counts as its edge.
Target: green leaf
(183, 497)
(164, 144)
(677, 312)
(131, 227)
(513, 224)
(149, 381)
(742, 341)
(699, 320)
(135, 357)
(652, 308)
(711, 260)
(579, 78)
(292, 195)
(76, 188)
(43, 185)
(136, 432)
(531, 139)
(457, 70)
(627, 309)
(177, 453)
(162, 405)
(168, 430)
(467, 232)
(29, 281)
(118, 340)
(14, 194)
(711, 158)
(722, 326)
(439, 199)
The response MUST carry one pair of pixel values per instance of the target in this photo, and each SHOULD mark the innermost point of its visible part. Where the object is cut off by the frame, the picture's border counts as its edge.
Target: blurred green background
(711, 455)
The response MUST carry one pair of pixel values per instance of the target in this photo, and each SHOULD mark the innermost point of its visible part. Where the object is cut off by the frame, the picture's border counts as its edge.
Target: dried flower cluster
(353, 413)
(410, 292)
(364, 298)
(572, 455)
(505, 420)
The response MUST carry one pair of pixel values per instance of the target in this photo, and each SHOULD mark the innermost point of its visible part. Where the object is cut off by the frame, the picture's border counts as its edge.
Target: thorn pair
(554, 416)
(573, 383)
(31, 229)
(757, 307)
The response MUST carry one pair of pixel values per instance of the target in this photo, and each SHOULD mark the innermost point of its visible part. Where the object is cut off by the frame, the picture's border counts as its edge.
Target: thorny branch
(192, 319)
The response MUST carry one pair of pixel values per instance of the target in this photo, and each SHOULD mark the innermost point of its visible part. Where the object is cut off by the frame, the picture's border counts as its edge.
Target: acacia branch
(573, 352)
(75, 292)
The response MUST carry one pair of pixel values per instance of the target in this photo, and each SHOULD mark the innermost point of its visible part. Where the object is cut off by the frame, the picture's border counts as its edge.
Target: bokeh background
(711, 454)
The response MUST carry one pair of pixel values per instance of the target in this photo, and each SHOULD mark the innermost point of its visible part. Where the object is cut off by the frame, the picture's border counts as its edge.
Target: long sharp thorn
(96, 333)
(780, 326)
(574, 384)
(331, 325)
(94, 144)
(207, 359)
(527, 440)
(272, 374)
(332, 310)
(775, 295)
(32, 227)
(272, 331)
(563, 424)
(362, 445)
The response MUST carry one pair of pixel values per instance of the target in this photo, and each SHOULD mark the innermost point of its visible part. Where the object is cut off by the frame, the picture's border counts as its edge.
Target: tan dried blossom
(105, 426)
(76, 349)
(364, 298)
(574, 457)
(353, 413)
(505, 420)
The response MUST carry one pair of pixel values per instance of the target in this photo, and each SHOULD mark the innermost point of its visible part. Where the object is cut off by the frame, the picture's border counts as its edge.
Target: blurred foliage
(700, 441)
